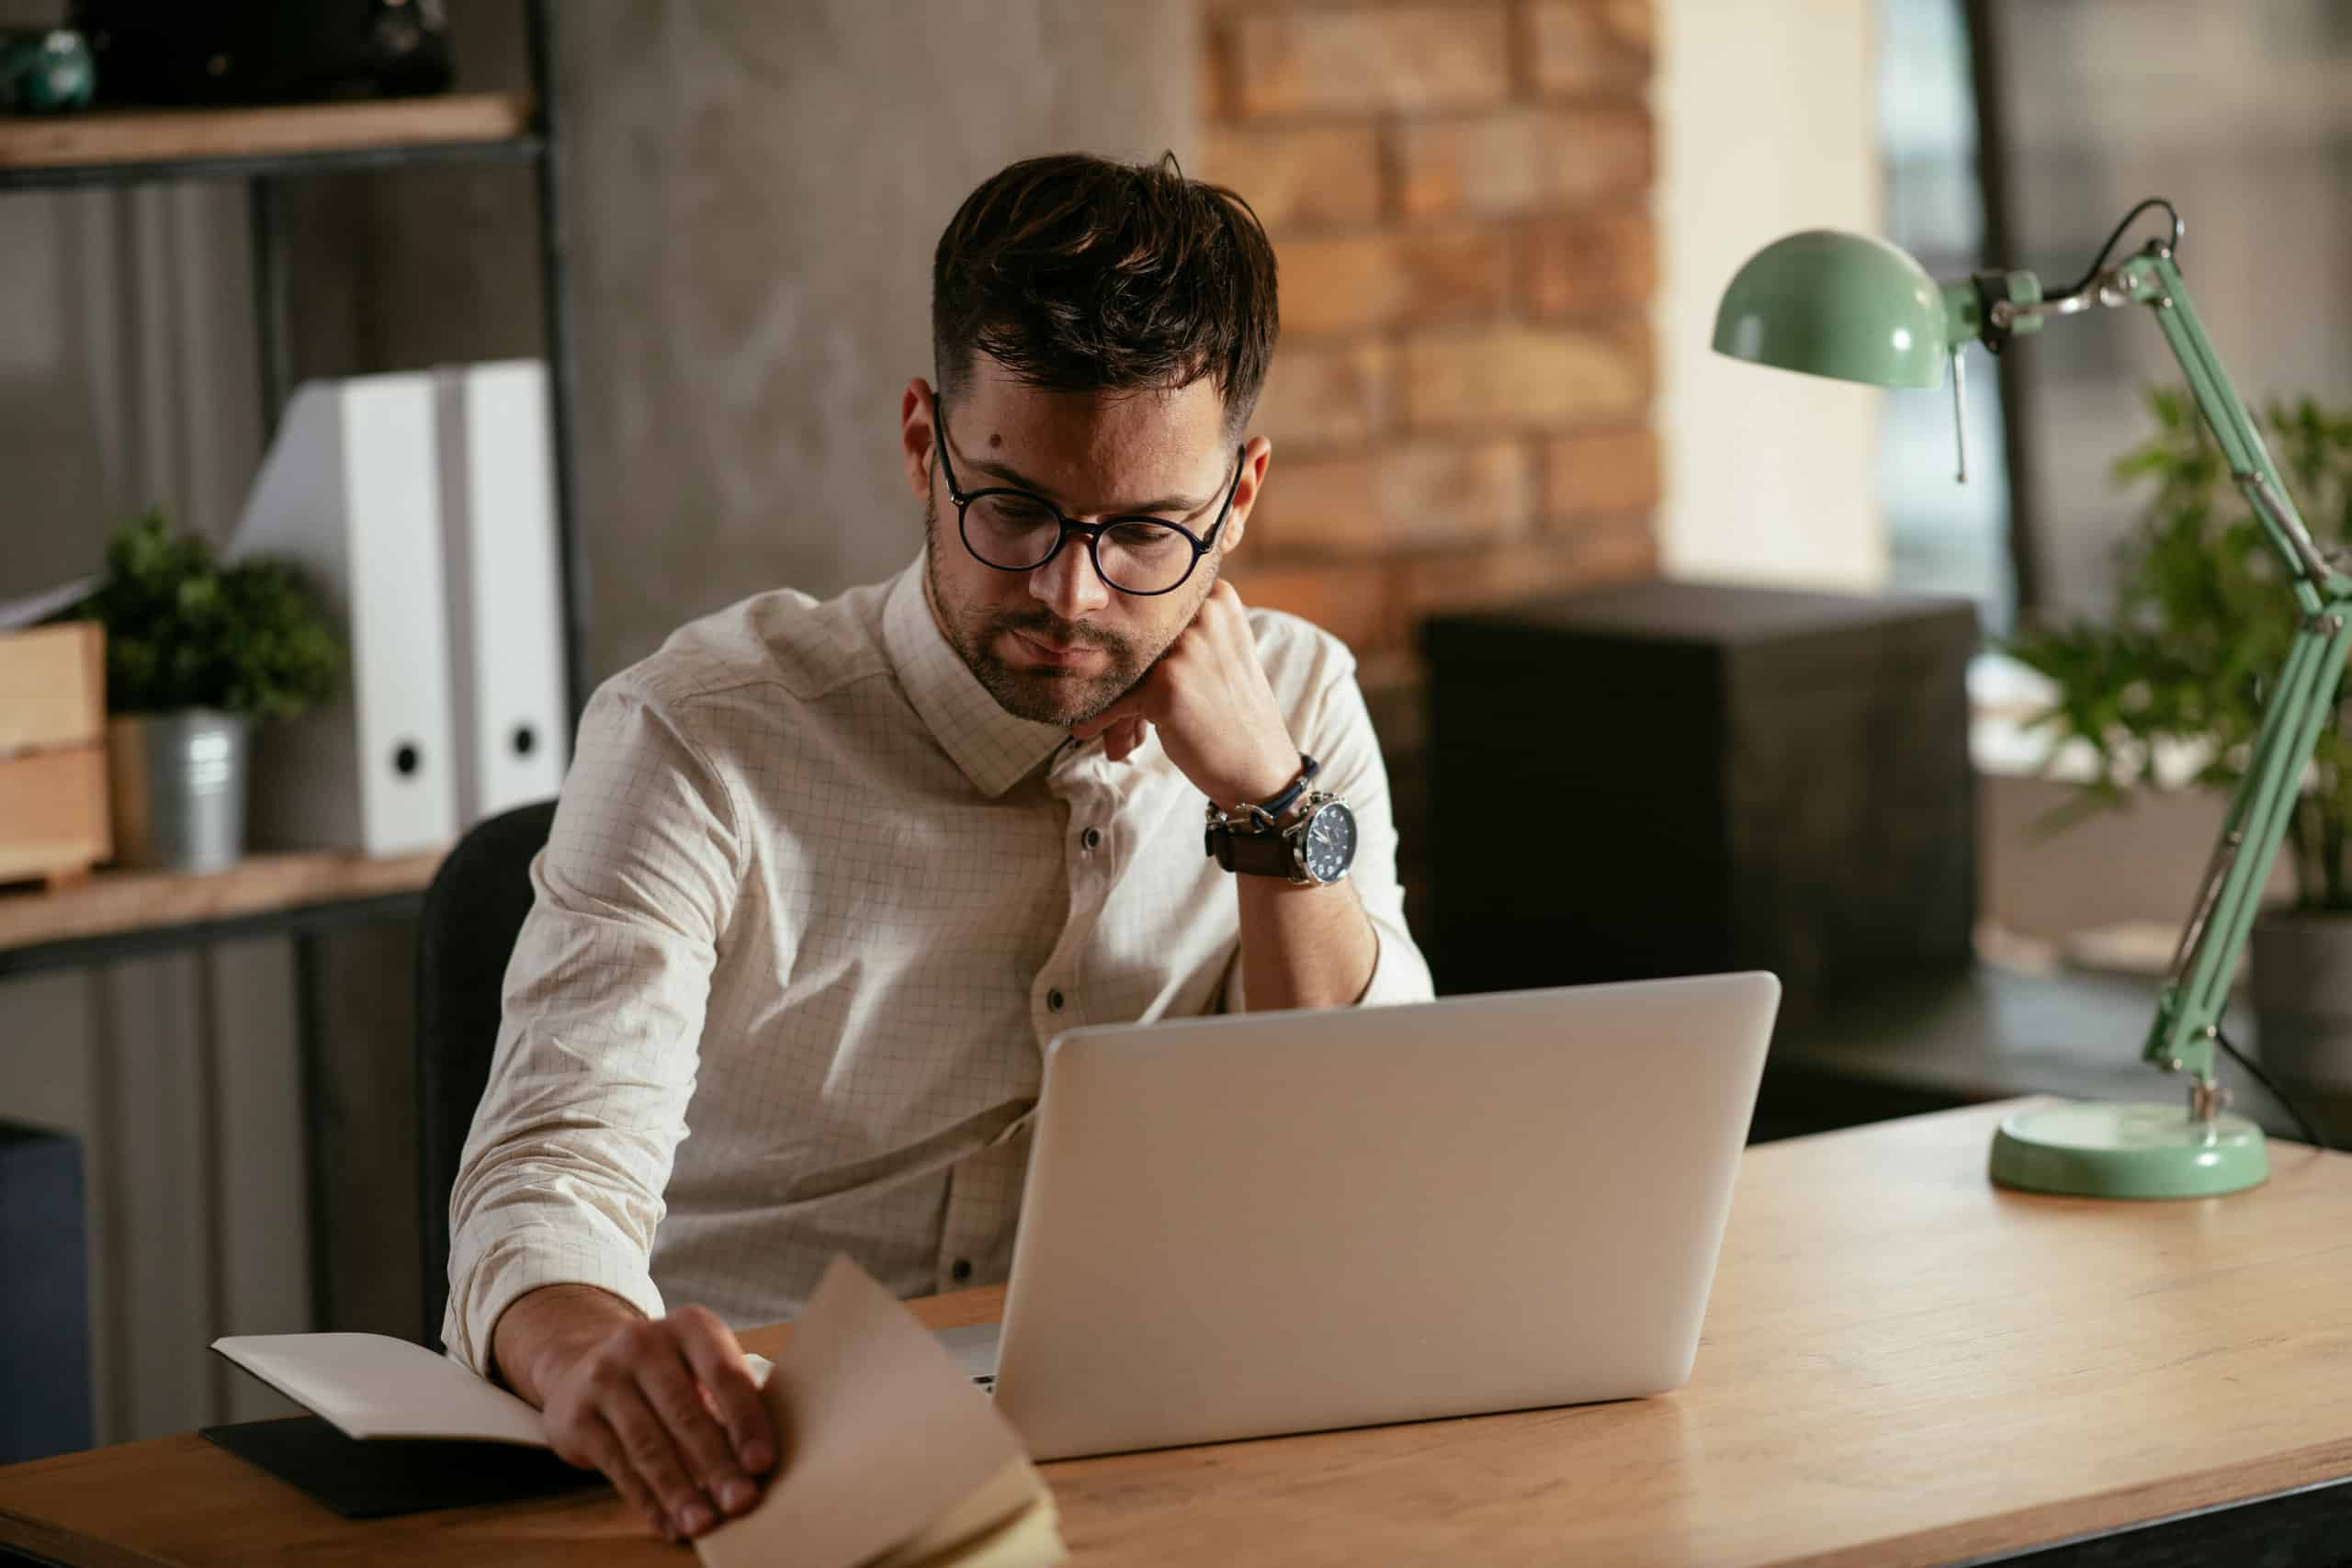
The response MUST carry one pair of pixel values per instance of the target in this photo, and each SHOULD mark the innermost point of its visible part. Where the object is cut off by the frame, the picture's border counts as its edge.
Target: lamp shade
(1831, 303)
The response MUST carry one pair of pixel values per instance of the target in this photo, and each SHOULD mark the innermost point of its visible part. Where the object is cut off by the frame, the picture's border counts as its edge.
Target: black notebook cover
(395, 1475)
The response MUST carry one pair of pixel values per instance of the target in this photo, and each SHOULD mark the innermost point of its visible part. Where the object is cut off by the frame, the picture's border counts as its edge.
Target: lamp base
(2095, 1150)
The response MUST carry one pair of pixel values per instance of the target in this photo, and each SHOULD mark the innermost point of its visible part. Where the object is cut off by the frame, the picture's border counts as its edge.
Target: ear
(1256, 458)
(916, 433)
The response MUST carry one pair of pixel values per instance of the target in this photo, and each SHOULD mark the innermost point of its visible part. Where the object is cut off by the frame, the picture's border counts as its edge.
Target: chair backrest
(473, 911)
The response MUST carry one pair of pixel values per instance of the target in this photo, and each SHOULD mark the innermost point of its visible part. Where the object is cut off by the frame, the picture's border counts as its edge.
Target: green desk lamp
(1860, 309)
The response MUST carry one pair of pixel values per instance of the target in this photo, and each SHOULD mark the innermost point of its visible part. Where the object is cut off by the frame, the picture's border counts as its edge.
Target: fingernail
(736, 1497)
(695, 1519)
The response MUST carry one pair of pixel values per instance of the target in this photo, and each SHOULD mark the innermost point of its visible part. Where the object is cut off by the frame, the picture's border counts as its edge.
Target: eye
(1142, 538)
(1018, 508)
(1012, 513)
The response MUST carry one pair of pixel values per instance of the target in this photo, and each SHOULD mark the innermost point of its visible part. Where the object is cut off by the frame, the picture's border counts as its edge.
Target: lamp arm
(2151, 278)
(2197, 986)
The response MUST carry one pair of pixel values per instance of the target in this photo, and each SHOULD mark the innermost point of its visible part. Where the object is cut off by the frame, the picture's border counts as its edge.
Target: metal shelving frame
(539, 146)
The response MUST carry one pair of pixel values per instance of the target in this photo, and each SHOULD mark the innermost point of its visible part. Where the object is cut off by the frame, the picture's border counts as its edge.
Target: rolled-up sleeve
(1341, 738)
(604, 1001)
(1336, 730)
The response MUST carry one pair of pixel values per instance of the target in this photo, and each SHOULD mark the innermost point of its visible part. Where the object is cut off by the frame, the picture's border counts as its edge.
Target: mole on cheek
(995, 442)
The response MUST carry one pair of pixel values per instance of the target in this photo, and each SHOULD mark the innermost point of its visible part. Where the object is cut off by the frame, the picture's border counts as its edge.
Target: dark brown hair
(1079, 274)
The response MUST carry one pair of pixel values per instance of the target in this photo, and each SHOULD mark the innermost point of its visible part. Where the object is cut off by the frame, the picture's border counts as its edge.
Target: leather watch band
(1255, 854)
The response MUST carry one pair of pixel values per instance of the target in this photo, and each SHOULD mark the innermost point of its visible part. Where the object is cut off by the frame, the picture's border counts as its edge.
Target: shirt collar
(995, 750)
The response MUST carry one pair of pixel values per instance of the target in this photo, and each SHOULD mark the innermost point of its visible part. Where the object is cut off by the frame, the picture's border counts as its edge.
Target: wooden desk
(1902, 1365)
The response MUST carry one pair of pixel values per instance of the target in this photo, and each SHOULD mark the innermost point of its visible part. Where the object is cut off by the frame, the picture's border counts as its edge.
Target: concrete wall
(755, 192)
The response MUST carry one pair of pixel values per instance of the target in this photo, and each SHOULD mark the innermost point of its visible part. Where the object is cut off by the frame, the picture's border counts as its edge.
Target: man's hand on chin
(666, 1408)
(1215, 711)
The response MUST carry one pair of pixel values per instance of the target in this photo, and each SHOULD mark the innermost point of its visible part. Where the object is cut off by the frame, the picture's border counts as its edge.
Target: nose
(1069, 584)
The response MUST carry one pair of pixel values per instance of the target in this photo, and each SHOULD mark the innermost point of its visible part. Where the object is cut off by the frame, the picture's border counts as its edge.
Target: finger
(1226, 617)
(593, 1440)
(726, 1377)
(645, 1441)
(670, 1388)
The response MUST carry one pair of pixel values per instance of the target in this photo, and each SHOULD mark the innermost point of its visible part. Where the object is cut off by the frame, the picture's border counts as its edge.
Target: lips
(1056, 654)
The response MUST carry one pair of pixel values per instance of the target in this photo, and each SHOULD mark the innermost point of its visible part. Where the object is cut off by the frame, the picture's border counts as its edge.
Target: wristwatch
(1315, 846)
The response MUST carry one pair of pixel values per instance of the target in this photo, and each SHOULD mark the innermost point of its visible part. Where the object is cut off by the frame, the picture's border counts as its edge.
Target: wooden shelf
(147, 143)
(128, 906)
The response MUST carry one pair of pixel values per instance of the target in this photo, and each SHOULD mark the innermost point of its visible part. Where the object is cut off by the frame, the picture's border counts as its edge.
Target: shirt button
(963, 1269)
(1054, 1000)
(1091, 839)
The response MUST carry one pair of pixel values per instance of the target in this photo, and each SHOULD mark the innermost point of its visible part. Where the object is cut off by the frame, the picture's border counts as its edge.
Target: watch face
(1330, 844)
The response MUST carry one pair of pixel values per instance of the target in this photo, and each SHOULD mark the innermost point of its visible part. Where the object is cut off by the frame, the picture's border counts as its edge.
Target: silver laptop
(1240, 1226)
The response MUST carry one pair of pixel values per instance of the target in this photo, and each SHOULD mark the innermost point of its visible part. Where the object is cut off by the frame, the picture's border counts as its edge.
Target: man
(826, 877)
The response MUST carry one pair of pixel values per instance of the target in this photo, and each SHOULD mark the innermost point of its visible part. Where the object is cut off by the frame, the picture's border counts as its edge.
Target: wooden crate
(53, 818)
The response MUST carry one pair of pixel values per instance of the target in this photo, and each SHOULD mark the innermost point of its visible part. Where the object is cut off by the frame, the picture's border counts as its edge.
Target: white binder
(351, 490)
(505, 613)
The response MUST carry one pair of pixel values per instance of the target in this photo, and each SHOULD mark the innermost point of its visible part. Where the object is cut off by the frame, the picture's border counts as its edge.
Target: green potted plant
(197, 651)
(2203, 616)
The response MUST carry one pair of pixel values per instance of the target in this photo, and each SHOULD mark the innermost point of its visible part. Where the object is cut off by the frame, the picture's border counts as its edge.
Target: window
(1943, 538)
(2240, 114)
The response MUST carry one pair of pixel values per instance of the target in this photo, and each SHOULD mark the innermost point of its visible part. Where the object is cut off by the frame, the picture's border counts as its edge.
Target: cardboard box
(53, 819)
(53, 687)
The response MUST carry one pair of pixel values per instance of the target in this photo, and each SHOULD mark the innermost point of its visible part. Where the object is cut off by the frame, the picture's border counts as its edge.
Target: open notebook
(892, 1459)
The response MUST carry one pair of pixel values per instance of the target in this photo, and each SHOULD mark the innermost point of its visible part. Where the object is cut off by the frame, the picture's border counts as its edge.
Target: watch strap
(1254, 854)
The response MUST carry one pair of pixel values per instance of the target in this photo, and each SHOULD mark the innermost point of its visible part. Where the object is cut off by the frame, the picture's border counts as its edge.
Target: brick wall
(1458, 192)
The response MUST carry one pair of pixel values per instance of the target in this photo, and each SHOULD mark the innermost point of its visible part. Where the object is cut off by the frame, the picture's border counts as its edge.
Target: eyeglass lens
(1018, 532)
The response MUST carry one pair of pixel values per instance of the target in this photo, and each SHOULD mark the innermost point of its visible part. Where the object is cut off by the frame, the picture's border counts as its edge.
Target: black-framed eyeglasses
(1018, 530)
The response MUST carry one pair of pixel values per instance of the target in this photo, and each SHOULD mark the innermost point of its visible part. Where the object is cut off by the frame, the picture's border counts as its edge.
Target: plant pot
(178, 789)
(2302, 995)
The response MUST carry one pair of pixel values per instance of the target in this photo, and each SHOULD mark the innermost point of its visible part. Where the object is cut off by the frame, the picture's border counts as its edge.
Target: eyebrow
(1182, 504)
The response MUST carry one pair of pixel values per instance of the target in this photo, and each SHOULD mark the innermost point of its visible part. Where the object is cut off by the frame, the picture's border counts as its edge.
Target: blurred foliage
(2203, 619)
(186, 631)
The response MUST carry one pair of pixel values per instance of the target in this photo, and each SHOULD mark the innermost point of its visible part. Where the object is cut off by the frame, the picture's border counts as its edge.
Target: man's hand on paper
(666, 1408)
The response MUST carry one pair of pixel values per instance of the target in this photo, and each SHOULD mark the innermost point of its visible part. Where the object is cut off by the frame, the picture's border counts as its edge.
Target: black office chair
(472, 914)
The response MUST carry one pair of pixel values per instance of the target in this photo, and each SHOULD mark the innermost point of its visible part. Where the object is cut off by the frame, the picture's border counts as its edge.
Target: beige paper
(371, 1385)
(883, 1439)
(1031, 1539)
(1011, 1494)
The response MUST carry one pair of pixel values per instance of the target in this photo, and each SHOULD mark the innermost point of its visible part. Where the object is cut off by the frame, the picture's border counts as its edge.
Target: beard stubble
(1043, 695)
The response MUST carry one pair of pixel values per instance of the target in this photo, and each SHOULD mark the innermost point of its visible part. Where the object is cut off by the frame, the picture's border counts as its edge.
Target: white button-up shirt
(812, 907)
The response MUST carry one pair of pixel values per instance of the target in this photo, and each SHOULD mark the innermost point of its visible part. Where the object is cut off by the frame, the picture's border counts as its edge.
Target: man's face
(1057, 644)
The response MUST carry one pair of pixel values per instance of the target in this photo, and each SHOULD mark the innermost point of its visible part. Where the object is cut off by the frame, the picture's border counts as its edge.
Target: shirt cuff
(504, 1271)
(1400, 974)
